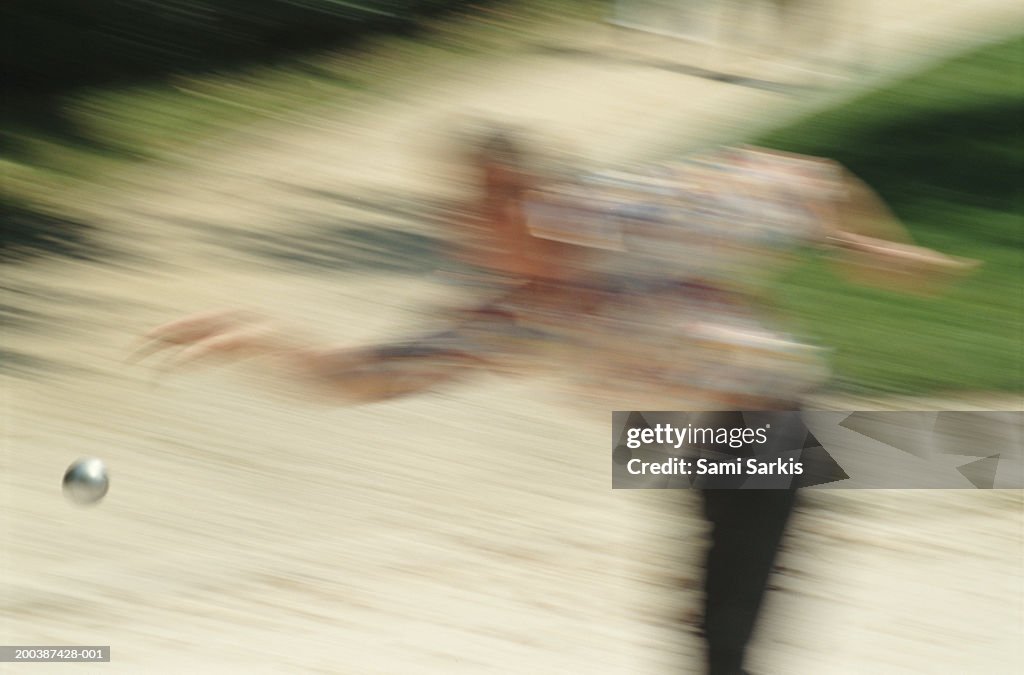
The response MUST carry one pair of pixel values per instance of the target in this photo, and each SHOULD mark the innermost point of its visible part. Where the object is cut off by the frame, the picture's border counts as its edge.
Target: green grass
(945, 148)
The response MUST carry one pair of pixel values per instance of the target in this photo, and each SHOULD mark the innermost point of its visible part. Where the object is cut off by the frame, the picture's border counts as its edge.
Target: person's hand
(223, 335)
(898, 266)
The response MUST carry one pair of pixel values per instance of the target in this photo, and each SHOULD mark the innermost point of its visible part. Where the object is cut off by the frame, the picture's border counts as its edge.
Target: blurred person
(649, 286)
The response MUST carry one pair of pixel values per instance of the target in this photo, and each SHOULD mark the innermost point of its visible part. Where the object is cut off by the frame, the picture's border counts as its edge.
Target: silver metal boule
(86, 481)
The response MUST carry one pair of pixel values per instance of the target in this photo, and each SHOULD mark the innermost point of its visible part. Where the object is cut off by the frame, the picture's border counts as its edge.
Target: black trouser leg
(747, 528)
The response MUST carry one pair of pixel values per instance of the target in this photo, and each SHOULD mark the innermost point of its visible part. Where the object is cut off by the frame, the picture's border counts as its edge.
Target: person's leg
(747, 529)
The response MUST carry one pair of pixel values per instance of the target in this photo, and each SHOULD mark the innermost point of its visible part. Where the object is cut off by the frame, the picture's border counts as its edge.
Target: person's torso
(730, 218)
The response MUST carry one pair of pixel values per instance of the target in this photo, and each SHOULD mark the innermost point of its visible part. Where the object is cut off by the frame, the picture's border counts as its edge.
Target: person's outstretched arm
(342, 375)
(874, 248)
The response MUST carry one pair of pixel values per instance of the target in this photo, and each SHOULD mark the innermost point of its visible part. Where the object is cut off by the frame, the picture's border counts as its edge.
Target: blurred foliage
(26, 230)
(945, 148)
(51, 45)
(89, 86)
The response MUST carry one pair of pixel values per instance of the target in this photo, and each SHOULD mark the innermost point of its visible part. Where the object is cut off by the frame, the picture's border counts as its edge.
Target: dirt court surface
(469, 530)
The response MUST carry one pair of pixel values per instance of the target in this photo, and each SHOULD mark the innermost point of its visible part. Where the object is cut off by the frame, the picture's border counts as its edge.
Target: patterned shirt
(670, 322)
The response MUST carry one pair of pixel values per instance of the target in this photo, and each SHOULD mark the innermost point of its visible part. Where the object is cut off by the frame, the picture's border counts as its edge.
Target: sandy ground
(468, 530)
